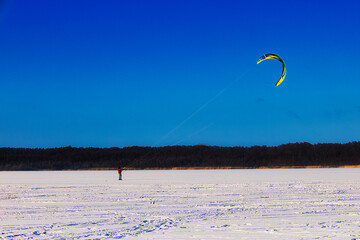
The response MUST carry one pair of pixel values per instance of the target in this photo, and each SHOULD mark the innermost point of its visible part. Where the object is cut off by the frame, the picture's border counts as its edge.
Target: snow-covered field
(181, 204)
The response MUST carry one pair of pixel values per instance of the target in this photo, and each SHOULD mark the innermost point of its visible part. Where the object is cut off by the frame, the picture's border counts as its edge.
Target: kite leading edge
(276, 57)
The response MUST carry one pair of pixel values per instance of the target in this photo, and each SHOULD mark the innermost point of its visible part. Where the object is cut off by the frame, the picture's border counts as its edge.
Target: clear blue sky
(123, 73)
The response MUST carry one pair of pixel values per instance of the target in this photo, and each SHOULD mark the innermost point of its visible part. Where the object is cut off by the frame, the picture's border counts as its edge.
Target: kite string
(195, 133)
(205, 127)
(201, 108)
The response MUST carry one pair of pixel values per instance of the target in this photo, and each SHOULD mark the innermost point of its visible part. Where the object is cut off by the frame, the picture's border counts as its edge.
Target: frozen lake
(181, 204)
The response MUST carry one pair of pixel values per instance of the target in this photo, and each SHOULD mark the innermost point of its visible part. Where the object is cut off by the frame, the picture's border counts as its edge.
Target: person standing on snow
(119, 171)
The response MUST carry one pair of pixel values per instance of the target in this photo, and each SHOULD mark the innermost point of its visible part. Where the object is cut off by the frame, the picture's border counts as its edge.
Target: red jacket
(119, 170)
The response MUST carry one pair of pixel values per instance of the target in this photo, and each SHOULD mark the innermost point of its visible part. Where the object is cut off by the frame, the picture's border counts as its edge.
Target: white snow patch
(182, 204)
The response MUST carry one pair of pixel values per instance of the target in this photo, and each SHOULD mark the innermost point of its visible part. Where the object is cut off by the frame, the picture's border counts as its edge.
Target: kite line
(200, 109)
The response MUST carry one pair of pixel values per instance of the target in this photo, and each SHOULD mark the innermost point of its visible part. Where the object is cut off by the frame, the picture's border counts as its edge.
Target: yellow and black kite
(276, 57)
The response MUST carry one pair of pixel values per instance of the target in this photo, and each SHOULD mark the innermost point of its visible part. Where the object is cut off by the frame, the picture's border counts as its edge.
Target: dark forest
(201, 156)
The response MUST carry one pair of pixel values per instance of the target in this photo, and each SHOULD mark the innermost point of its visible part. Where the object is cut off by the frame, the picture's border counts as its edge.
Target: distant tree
(292, 154)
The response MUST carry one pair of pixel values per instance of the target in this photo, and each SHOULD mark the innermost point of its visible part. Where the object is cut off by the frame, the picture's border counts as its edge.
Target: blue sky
(124, 73)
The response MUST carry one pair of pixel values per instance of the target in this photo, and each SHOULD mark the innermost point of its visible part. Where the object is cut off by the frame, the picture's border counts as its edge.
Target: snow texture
(181, 204)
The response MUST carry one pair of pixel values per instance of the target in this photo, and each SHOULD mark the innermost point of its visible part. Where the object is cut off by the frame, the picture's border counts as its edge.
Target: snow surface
(181, 204)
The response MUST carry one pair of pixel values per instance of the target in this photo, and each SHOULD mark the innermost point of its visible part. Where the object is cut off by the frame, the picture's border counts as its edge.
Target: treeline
(287, 155)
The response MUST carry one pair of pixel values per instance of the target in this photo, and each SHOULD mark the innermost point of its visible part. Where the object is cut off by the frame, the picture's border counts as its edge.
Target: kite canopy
(276, 57)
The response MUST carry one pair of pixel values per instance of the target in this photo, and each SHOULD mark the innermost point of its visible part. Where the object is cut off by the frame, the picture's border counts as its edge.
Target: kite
(276, 57)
